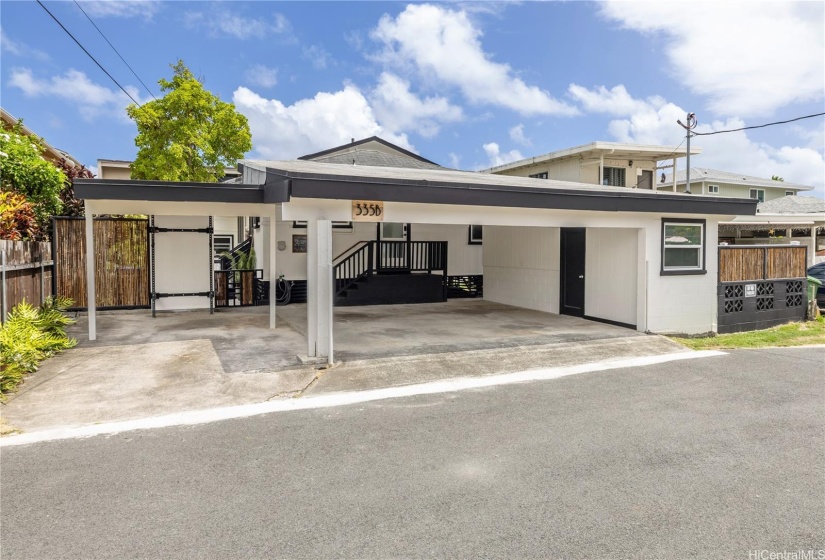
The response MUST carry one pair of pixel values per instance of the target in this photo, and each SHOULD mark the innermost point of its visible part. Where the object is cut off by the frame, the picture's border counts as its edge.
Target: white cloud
(261, 75)
(746, 58)
(397, 108)
(74, 86)
(517, 135)
(455, 160)
(443, 44)
(220, 22)
(309, 125)
(17, 48)
(118, 8)
(653, 121)
(319, 57)
(497, 158)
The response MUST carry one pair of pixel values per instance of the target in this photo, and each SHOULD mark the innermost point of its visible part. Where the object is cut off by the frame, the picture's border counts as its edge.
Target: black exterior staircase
(385, 272)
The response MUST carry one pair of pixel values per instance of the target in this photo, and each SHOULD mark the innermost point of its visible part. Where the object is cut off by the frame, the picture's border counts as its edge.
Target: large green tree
(24, 171)
(189, 134)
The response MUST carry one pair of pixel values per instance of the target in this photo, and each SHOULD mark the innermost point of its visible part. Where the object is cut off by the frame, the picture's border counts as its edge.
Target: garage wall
(682, 304)
(463, 259)
(611, 273)
(521, 267)
(182, 262)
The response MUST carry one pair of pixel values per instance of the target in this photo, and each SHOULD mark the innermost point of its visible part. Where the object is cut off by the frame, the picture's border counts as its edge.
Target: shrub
(30, 335)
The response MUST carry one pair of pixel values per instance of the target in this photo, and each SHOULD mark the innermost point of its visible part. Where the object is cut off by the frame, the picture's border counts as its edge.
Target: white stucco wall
(521, 267)
(182, 262)
(611, 274)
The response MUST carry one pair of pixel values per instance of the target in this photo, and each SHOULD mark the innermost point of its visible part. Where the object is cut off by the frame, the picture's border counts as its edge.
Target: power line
(114, 49)
(88, 53)
(757, 126)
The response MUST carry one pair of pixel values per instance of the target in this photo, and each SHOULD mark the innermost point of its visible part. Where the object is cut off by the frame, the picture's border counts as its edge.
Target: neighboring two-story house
(734, 185)
(613, 164)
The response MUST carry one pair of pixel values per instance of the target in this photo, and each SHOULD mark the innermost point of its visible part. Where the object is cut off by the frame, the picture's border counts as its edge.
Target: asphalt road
(707, 458)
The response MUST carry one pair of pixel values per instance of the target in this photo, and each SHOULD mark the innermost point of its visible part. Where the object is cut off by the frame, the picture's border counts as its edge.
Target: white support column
(324, 292)
(312, 287)
(674, 174)
(90, 272)
(601, 170)
(812, 252)
(271, 244)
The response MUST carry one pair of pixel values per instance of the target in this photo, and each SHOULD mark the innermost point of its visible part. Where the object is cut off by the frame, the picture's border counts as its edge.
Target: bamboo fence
(745, 264)
(121, 261)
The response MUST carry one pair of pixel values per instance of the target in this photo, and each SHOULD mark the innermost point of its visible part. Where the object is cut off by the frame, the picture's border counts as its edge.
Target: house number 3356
(367, 211)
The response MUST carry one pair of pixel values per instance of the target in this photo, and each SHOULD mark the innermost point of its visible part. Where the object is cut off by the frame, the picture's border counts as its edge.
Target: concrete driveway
(141, 366)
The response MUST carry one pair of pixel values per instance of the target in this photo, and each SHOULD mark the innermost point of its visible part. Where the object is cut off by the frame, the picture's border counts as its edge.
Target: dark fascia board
(364, 141)
(171, 191)
(310, 185)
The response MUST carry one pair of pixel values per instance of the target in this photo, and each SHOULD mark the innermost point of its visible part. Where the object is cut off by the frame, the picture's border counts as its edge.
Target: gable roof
(354, 146)
(698, 174)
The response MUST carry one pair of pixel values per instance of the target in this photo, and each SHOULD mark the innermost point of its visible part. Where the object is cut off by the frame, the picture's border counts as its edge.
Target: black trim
(170, 191)
(610, 322)
(687, 272)
(281, 186)
(308, 185)
(344, 147)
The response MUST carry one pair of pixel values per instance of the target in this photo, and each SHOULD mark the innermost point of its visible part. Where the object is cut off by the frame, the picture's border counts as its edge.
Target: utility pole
(691, 124)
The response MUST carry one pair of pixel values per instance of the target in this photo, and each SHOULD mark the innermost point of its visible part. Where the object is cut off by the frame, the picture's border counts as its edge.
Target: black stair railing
(241, 248)
(376, 257)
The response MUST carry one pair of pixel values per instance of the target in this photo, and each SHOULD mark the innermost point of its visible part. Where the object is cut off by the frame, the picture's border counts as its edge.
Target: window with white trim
(713, 189)
(613, 176)
(758, 194)
(790, 193)
(683, 246)
(542, 175)
(222, 244)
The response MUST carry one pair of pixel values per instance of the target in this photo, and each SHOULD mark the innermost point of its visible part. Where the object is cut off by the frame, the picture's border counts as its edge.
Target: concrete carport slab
(141, 367)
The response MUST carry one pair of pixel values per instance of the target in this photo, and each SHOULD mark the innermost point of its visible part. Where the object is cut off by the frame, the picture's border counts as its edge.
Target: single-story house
(634, 257)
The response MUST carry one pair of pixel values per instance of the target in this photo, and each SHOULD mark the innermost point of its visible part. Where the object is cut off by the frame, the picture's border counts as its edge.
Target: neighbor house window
(542, 175)
(613, 176)
(758, 194)
(475, 235)
(713, 189)
(683, 246)
(790, 193)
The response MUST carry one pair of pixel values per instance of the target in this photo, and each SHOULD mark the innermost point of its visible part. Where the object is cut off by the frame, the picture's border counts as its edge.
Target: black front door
(572, 271)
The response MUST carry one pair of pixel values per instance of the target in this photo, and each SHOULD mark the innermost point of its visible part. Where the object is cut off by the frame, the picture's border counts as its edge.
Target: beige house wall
(576, 170)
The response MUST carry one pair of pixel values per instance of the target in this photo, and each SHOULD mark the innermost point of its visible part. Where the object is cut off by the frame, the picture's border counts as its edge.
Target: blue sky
(467, 85)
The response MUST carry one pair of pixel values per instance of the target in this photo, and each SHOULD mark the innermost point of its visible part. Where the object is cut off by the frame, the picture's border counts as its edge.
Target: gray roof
(793, 205)
(706, 174)
(374, 158)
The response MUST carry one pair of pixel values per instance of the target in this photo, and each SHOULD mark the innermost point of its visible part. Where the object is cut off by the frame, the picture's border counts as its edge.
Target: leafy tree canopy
(777, 178)
(24, 171)
(189, 134)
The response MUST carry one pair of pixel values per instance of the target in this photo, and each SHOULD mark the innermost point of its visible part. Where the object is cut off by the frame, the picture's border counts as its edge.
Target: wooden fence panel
(740, 264)
(25, 278)
(121, 261)
(786, 262)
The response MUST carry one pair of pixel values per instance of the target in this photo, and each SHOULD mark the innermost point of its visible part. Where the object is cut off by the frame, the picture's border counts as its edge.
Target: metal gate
(121, 261)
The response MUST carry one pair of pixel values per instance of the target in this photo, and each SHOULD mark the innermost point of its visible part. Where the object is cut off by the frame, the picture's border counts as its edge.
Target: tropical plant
(72, 206)
(24, 171)
(189, 134)
(241, 261)
(28, 336)
(17, 217)
(777, 178)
